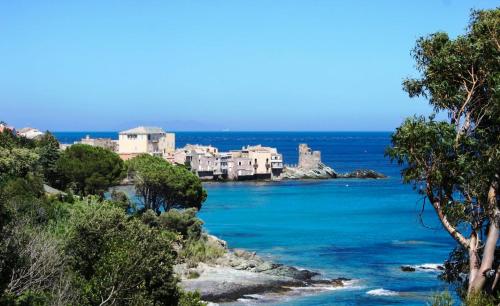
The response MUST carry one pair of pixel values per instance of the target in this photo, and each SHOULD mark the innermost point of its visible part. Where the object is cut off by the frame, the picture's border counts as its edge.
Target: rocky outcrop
(239, 273)
(322, 171)
(363, 173)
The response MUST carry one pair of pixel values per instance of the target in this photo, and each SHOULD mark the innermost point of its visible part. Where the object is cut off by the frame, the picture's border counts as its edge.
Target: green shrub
(192, 274)
(184, 222)
(191, 299)
(480, 299)
(202, 250)
(441, 299)
(110, 250)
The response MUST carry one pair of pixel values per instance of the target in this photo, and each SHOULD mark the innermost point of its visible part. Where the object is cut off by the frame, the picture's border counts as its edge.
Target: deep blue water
(359, 229)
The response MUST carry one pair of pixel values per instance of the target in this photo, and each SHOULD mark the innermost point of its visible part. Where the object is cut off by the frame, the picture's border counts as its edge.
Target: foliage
(48, 150)
(17, 162)
(65, 250)
(191, 299)
(120, 259)
(121, 199)
(163, 185)
(201, 250)
(89, 170)
(455, 163)
(184, 222)
(480, 299)
(441, 299)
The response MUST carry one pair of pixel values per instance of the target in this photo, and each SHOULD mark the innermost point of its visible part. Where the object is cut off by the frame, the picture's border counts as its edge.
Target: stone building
(106, 143)
(150, 140)
(202, 160)
(251, 162)
(308, 159)
(266, 161)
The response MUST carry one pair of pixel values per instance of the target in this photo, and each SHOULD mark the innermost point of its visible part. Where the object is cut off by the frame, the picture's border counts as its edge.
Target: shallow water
(359, 229)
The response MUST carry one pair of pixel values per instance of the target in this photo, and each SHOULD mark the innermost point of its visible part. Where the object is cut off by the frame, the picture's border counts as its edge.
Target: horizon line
(233, 131)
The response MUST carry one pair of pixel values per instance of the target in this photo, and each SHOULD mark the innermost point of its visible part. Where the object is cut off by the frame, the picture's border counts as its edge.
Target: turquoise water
(359, 229)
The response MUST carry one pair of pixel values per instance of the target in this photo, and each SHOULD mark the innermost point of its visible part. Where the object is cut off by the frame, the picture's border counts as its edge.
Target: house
(202, 160)
(29, 132)
(266, 161)
(4, 127)
(150, 140)
(251, 162)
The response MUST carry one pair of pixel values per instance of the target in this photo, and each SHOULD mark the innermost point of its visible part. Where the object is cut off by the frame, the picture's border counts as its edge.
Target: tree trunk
(474, 259)
(477, 281)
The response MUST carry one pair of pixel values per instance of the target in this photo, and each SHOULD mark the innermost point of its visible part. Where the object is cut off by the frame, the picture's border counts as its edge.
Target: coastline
(240, 274)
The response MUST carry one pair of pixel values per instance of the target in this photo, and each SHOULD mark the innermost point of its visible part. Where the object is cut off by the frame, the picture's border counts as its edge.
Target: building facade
(252, 162)
(150, 140)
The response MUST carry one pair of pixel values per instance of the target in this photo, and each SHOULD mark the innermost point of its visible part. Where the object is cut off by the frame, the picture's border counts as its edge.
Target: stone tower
(308, 159)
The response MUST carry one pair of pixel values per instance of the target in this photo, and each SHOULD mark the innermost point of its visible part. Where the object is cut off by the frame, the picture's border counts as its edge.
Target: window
(132, 136)
(239, 163)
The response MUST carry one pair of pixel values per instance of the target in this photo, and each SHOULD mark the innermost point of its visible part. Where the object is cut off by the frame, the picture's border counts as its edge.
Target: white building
(142, 139)
(30, 133)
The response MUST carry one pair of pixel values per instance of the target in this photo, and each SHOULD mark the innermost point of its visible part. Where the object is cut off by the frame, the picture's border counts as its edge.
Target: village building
(30, 133)
(202, 160)
(266, 161)
(106, 143)
(4, 127)
(252, 162)
(150, 140)
(239, 167)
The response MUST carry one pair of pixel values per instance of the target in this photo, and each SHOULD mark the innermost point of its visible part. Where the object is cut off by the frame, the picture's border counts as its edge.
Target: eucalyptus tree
(455, 163)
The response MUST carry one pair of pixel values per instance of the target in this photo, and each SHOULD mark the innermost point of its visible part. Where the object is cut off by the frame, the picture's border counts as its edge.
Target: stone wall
(308, 159)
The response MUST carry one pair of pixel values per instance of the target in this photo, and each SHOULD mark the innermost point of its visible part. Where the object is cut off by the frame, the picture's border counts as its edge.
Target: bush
(120, 258)
(202, 250)
(191, 299)
(480, 299)
(184, 222)
(441, 299)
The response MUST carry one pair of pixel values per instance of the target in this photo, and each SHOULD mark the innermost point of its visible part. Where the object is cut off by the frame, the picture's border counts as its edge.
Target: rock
(322, 171)
(244, 254)
(292, 272)
(363, 173)
(239, 273)
(217, 241)
(407, 269)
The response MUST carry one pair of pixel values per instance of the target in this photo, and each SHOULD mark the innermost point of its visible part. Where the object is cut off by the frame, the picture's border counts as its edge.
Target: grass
(201, 250)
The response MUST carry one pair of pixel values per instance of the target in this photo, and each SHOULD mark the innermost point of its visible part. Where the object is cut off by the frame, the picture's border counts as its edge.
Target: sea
(360, 229)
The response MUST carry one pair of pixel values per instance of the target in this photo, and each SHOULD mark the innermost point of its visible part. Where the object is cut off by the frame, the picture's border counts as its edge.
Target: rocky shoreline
(239, 273)
(322, 171)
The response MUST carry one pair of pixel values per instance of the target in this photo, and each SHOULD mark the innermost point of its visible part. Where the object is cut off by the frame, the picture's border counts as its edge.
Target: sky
(216, 65)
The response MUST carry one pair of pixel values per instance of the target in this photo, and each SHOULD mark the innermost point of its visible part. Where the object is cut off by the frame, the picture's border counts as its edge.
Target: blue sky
(214, 65)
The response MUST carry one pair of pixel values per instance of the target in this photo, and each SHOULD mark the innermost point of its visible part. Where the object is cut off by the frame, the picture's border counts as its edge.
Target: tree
(162, 185)
(119, 259)
(17, 162)
(89, 170)
(455, 163)
(48, 150)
